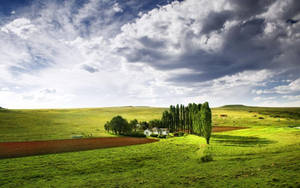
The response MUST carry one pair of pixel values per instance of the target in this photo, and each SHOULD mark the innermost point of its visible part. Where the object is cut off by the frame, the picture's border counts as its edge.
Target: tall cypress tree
(206, 121)
(180, 117)
(172, 116)
(187, 119)
(190, 118)
(197, 125)
(177, 117)
(183, 117)
(165, 119)
(194, 118)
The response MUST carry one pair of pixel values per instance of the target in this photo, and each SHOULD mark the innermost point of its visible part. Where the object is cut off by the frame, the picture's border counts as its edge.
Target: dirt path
(20, 149)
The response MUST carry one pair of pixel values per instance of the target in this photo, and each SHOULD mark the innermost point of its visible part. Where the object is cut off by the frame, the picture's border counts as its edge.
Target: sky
(96, 53)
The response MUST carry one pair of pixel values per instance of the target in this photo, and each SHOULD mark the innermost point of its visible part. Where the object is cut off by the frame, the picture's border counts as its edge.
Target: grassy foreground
(265, 155)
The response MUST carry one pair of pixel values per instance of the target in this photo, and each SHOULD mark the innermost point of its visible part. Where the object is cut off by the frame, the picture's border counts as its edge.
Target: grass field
(28, 125)
(267, 154)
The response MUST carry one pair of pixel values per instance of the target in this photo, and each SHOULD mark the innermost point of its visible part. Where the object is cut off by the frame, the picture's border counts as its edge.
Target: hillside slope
(47, 124)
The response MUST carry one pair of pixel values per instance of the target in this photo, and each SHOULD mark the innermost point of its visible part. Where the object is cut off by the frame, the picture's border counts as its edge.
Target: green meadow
(266, 154)
(50, 124)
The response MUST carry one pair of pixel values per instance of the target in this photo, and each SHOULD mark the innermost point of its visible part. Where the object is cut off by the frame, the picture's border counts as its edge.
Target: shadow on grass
(242, 141)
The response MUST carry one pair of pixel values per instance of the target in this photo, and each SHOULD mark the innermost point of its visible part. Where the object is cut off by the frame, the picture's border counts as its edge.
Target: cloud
(89, 68)
(248, 8)
(106, 53)
(292, 87)
(5, 89)
(292, 97)
(21, 27)
(215, 21)
(117, 8)
(48, 91)
(264, 98)
(222, 40)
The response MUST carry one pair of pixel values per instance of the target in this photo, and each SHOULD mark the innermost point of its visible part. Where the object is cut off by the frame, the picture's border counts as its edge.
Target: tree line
(193, 118)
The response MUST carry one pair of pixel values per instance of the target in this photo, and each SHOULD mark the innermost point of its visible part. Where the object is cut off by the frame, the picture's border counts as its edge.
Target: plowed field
(19, 149)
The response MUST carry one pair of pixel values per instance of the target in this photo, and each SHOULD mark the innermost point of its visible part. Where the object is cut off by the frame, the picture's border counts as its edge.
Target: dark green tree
(182, 117)
(173, 119)
(166, 120)
(107, 126)
(177, 117)
(119, 125)
(187, 123)
(186, 118)
(144, 125)
(133, 124)
(155, 123)
(206, 121)
(197, 124)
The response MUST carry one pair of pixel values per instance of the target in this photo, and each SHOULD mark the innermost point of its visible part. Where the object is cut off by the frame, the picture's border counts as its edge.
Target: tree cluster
(118, 125)
(194, 118)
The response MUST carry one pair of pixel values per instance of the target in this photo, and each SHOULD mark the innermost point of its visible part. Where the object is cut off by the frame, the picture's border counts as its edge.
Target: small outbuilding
(157, 131)
(147, 132)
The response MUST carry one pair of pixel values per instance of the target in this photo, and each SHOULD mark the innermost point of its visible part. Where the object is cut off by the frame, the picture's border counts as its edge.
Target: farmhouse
(157, 131)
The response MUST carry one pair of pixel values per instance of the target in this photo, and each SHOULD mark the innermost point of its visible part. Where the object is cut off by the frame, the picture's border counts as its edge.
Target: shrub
(171, 134)
(77, 136)
(207, 154)
(179, 134)
(154, 135)
(162, 136)
(206, 158)
(86, 135)
(135, 134)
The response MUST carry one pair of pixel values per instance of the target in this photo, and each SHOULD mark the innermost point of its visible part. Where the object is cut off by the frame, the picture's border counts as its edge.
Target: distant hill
(234, 106)
(3, 109)
(275, 112)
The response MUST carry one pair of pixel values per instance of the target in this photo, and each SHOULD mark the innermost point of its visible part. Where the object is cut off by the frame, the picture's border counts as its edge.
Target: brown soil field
(226, 128)
(21, 149)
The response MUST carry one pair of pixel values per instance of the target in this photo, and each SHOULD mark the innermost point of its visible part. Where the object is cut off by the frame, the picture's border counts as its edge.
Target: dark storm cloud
(245, 46)
(236, 54)
(151, 43)
(215, 21)
(241, 42)
(291, 10)
(291, 21)
(248, 8)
